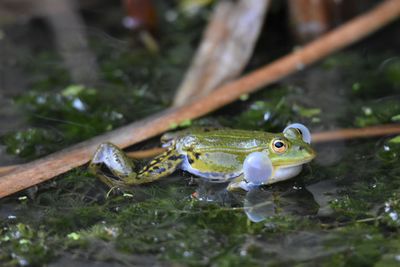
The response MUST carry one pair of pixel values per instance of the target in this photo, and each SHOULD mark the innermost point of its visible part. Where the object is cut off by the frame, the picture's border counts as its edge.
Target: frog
(242, 158)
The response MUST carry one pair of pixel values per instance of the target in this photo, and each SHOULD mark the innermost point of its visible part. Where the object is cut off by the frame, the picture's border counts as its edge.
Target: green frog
(244, 158)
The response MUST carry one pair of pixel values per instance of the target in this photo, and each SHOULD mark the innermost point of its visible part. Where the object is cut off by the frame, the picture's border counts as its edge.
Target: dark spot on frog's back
(161, 170)
(154, 161)
(190, 160)
(145, 168)
(197, 155)
(174, 157)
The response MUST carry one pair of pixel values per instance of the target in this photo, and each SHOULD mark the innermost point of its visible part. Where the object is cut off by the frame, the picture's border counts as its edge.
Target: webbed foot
(112, 166)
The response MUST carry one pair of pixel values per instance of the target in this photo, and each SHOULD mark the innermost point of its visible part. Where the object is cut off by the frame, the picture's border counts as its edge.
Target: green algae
(23, 245)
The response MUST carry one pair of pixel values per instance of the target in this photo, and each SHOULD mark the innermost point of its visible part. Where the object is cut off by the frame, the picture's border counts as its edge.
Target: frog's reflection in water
(261, 202)
(214, 192)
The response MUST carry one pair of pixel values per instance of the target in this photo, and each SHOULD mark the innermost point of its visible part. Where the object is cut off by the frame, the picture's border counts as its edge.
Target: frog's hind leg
(115, 169)
(161, 166)
(236, 183)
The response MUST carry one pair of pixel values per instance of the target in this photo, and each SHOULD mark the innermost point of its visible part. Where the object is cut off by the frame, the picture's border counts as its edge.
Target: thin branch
(145, 154)
(342, 134)
(52, 165)
(7, 169)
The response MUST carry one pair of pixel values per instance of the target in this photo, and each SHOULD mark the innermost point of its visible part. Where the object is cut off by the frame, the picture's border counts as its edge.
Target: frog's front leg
(120, 170)
(237, 184)
(257, 169)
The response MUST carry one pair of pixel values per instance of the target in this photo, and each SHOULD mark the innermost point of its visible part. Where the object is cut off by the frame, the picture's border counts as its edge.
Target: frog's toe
(242, 185)
(257, 168)
(303, 130)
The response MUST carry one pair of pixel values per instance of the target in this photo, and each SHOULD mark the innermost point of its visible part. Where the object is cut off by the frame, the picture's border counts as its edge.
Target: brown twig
(342, 134)
(7, 169)
(144, 154)
(45, 168)
(140, 154)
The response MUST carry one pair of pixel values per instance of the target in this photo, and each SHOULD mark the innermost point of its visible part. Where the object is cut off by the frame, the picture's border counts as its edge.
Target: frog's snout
(307, 152)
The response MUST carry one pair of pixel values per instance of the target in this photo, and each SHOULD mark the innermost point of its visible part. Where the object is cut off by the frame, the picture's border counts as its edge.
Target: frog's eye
(298, 129)
(279, 146)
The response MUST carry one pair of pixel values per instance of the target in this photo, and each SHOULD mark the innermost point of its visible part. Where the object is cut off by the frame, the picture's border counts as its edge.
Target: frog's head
(291, 148)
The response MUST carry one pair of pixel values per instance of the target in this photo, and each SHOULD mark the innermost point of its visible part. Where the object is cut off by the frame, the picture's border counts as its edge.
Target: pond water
(342, 210)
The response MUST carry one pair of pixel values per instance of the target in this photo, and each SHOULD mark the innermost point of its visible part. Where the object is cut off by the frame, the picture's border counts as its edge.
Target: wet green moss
(22, 245)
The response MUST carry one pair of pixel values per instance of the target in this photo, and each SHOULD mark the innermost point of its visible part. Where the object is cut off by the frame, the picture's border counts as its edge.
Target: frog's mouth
(295, 164)
(287, 171)
(284, 173)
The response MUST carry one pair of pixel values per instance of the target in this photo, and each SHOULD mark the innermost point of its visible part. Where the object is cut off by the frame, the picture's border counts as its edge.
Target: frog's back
(219, 154)
(230, 140)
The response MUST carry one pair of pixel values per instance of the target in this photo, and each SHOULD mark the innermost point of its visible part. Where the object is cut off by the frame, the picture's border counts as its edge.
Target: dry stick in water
(144, 154)
(6, 169)
(46, 168)
(341, 134)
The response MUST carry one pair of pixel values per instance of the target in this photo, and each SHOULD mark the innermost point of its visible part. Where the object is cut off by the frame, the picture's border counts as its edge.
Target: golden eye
(279, 146)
